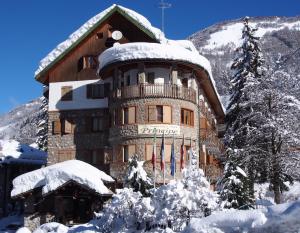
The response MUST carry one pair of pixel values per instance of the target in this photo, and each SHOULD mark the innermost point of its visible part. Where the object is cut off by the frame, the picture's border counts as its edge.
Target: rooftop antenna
(163, 5)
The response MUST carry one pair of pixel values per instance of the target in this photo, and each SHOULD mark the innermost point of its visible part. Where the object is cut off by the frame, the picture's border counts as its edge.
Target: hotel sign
(160, 129)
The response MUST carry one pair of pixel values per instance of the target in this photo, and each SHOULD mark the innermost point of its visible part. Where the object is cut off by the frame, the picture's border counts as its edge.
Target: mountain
(280, 43)
(21, 123)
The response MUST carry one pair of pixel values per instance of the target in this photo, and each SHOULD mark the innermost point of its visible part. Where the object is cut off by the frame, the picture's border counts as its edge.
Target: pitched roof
(75, 38)
(54, 176)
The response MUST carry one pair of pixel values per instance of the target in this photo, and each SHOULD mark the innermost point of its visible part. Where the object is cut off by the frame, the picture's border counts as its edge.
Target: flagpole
(164, 169)
(174, 156)
(154, 152)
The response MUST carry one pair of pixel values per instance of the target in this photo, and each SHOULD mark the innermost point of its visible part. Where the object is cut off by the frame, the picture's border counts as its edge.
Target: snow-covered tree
(242, 119)
(234, 187)
(42, 131)
(137, 178)
(280, 134)
(262, 121)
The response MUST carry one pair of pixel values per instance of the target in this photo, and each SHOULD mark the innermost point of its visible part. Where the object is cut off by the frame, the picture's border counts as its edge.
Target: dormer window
(87, 62)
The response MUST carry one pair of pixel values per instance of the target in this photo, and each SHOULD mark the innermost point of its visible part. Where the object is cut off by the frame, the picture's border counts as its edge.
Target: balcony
(154, 91)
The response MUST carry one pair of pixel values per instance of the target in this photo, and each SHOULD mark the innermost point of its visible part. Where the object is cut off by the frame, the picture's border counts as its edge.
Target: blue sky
(32, 28)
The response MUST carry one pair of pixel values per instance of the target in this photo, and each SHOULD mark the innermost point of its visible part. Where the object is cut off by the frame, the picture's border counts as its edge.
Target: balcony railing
(153, 91)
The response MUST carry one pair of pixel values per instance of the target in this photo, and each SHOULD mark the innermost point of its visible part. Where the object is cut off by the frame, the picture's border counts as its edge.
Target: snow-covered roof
(14, 151)
(54, 176)
(83, 31)
(181, 50)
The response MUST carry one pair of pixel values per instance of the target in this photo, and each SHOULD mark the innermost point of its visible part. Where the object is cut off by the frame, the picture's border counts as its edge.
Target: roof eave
(113, 10)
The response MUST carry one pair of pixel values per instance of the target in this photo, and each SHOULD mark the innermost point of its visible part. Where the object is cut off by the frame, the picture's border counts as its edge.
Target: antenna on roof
(163, 5)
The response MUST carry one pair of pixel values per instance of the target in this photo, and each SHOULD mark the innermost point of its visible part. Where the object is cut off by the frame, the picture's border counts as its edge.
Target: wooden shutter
(131, 115)
(149, 150)
(202, 123)
(56, 126)
(192, 118)
(152, 113)
(67, 127)
(131, 150)
(167, 114)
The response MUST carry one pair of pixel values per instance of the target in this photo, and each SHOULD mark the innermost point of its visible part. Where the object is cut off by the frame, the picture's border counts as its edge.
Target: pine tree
(42, 131)
(234, 187)
(137, 178)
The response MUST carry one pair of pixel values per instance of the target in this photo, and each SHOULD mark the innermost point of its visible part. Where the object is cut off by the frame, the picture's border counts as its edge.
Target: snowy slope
(21, 123)
(280, 45)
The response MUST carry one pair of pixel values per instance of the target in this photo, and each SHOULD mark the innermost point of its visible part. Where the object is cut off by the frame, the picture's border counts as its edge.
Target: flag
(162, 154)
(182, 155)
(154, 152)
(173, 160)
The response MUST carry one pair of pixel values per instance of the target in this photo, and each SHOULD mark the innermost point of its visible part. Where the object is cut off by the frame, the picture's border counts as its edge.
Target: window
(125, 153)
(128, 151)
(97, 124)
(98, 157)
(97, 91)
(128, 80)
(124, 116)
(87, 62)
(187, 117)
(62, 126)
(66, 93)
(159, 111)
(184, 82)
(159, 114)
(99, 35)
(150, 77)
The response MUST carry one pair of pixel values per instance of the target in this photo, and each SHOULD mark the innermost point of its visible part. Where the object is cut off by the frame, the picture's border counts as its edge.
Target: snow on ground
(54, 176)
(283, 218)
(232, 33)
(52, 227)
(265, 197)
(13, 151)
(74, 37)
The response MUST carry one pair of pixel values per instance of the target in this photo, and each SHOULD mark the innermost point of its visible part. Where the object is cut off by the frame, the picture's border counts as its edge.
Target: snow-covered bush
(180, 200)
(170, 205)
(128, 209)
(137, 178)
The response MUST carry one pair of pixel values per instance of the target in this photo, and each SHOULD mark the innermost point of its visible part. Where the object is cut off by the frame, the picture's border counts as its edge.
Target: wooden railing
(153, 91)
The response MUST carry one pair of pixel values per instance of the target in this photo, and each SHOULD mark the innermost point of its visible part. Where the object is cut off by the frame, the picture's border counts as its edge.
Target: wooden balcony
(154, 91)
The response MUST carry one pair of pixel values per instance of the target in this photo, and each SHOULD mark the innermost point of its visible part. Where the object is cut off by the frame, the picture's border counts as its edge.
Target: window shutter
(149, 151)
(131, 150)
(152, 113)
(56, 127)
(67, 127)
(131, 115)
(202, 123)
(167, 114)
